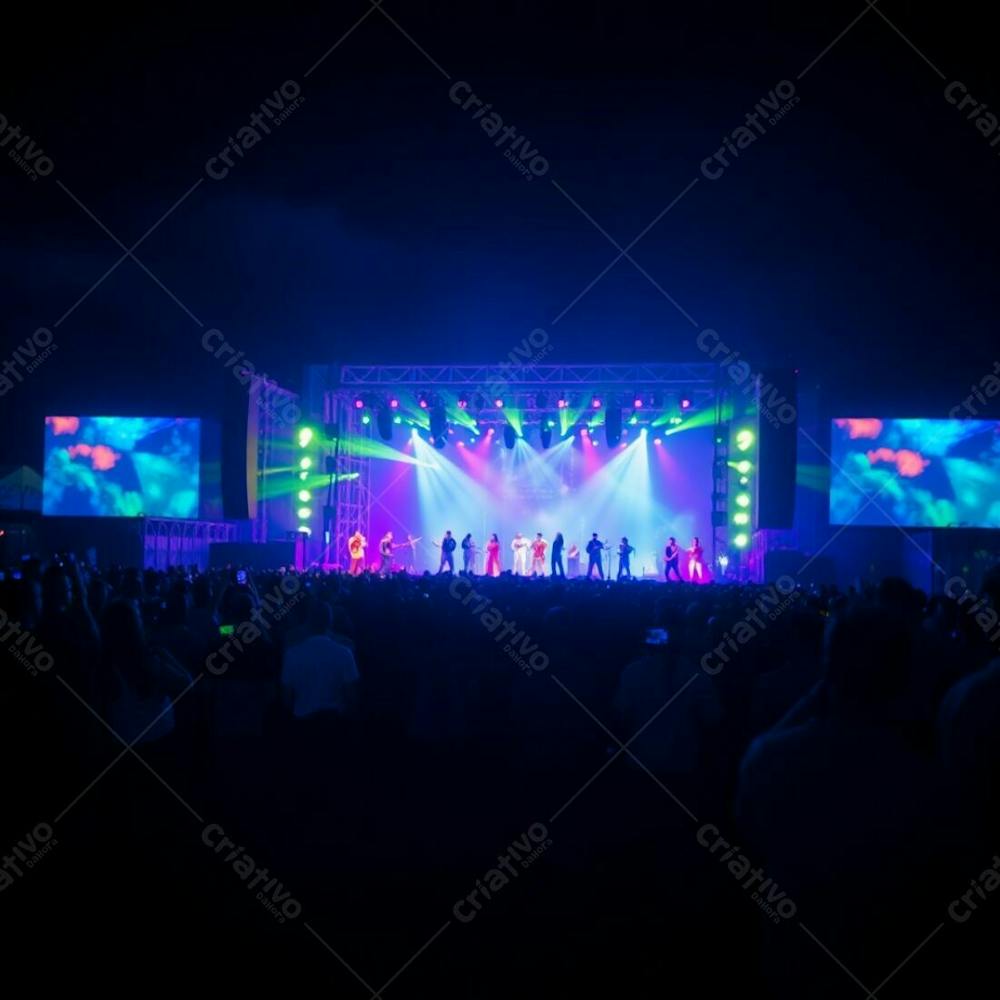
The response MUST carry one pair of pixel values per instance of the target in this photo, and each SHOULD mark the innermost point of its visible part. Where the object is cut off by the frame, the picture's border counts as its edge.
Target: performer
(468, 555)
(671, 556)
(356, 545)
(696, 568)
(594, 552)
(573, 560)
(447, 546)
(410, 556)
(493, 556)
(624, 567)
(557, 550)
(385, 552)
(538, 547)
(520, 546)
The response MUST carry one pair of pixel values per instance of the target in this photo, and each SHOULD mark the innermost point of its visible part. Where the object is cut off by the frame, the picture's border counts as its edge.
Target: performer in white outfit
(520, 547)
(696, 568)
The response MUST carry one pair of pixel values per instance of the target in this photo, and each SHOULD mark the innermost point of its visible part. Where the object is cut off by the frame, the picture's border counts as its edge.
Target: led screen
(915, 473)
(121, 466)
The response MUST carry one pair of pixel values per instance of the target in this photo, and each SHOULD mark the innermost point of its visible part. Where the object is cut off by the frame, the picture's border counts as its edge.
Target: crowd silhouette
(376, 742)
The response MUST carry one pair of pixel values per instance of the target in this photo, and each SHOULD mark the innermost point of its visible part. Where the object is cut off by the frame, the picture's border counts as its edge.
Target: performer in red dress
(538, 547)
(493, 556)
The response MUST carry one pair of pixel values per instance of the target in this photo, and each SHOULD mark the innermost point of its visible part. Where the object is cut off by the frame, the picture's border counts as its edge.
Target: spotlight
(637, 403)
(305, 495)
(397, 419)
(491, 432)
(359, 403)
(744, 440)
(305, 436)
(595, 402)
(303, 475)
(685, 403)
(743, 467)
(305, 513)
(742, 499)
(366, 418)
(422, 401)
(657, 441)
(562, 402)
(744, 480)
(393, 403)
(463, 402)
(633, 420)
(741, 518)
(741, 540)
(461, 444)
(498, 403)
(305, 463)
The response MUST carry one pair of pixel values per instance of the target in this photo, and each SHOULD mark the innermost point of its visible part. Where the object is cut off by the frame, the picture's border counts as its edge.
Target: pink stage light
(685, 403)
(657, 441)
(596, 403)
(498, 403)
(359, 403)
(393, 403)
(637, 403)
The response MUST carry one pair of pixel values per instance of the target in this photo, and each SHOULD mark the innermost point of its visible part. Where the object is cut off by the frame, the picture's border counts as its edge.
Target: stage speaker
(613, 426)
(777, 442)
(239, 447)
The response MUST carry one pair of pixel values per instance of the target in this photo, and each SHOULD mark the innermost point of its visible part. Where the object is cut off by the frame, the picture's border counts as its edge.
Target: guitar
(406, 545)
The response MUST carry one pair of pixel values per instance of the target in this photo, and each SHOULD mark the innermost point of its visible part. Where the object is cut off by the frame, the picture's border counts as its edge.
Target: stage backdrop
(648, 488)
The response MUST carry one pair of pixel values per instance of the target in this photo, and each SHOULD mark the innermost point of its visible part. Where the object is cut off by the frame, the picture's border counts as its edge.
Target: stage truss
(350, 496)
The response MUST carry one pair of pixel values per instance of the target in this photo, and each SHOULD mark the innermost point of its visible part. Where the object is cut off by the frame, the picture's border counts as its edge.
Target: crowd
(799, 781)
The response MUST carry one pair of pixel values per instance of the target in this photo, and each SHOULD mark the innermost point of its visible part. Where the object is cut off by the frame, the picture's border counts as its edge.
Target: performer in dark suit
(672, 556)
(557, 560)
(448, 546)
(594, 553)
(624, 567)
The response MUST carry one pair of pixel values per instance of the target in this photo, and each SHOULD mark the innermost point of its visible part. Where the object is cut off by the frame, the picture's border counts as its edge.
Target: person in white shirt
(520, 547)
(319, 673)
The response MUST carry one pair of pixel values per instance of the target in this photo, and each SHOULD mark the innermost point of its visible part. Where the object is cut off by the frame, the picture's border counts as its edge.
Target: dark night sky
(856, 238)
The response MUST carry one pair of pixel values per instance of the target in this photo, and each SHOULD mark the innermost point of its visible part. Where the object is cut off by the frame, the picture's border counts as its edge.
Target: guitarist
(595, 550)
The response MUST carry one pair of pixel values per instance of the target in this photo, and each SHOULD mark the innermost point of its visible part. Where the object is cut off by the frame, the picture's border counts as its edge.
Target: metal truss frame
(351, 500)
